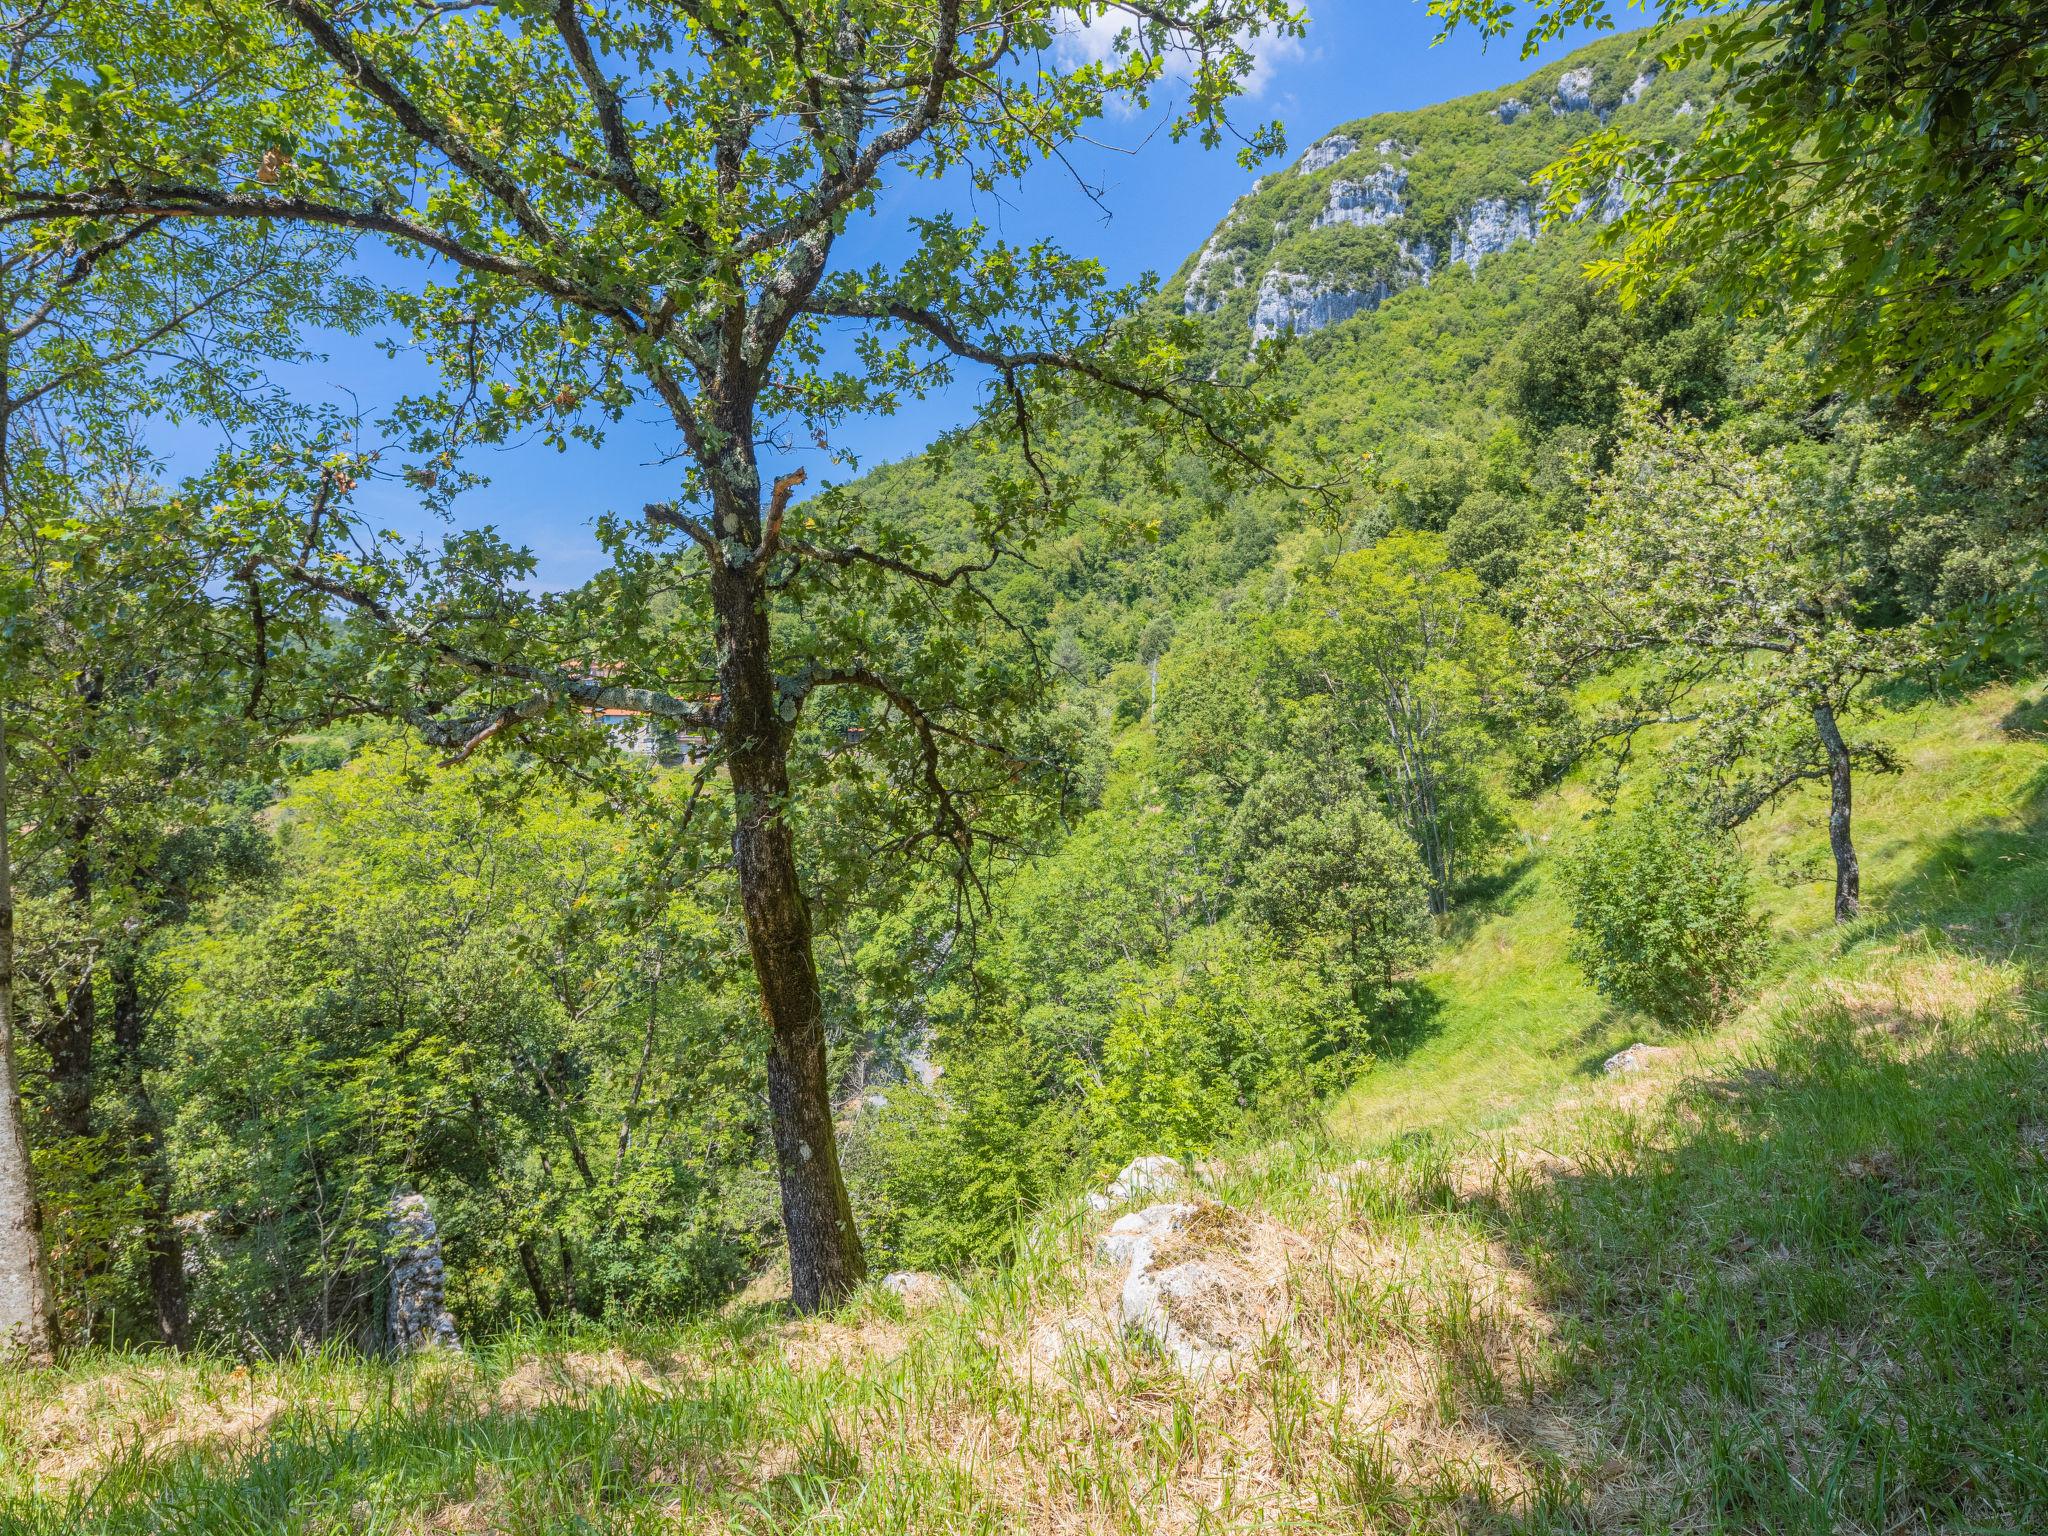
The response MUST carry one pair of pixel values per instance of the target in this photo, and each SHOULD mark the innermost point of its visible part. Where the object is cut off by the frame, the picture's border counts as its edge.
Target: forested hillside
(1401, 892)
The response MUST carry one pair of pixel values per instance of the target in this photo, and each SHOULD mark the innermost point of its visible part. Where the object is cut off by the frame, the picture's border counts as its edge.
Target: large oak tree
(635, 206)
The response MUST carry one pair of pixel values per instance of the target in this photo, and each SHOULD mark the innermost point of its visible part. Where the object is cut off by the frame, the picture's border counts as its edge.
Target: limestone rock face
(1492, 225)
(1216, 274)
(1574, 91)
(1376, 199)
(1636, 87)
(1295, 302)
(416, 1315)
(1508, 111)
(1326, 153)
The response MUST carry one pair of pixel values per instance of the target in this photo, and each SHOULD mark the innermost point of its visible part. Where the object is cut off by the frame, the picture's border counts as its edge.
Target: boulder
(1508, 111)
(1636, 1058)
(1153, 1175)
(1192, 1311)
(1130, 1238)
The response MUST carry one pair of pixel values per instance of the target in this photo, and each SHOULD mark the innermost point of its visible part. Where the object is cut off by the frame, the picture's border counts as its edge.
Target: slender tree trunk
(825, 1258)
(27, 1326)
(1848, 878)
(166, 1248)
(76, 1023)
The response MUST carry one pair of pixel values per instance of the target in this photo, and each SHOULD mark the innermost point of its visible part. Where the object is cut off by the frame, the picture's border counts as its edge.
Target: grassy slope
(1939, 844)
(1791, 1278)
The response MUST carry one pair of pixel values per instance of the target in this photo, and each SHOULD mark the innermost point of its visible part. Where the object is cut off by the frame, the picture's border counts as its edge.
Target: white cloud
(1091, 39)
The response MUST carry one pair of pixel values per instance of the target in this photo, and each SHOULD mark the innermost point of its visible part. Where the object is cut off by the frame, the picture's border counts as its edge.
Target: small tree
(1342, 881)
(1661, 915)
(1700, 571)
(1390, 659)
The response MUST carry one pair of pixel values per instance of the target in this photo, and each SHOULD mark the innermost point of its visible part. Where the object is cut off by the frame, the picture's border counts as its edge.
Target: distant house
(635, 731)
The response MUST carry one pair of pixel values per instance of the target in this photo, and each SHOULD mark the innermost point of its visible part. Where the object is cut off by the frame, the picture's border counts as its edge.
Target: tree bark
(27, 1324)
(165, 1247)
(1848, 877)
(825, 1258)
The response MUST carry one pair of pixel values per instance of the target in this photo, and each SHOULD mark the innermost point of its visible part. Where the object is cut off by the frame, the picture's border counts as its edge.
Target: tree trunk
(825, 1258)
(72, 1030)
(165, 1247)
(27, 1326)
(1848, 878)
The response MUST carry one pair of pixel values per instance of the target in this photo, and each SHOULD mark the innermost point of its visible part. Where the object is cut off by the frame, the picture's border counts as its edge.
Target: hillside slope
(1789, 1278)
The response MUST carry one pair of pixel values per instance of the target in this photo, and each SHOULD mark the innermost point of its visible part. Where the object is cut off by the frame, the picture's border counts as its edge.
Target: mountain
(1392, 202)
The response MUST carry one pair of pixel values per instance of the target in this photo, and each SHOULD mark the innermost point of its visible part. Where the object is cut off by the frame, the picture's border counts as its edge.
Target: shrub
(1662, 916)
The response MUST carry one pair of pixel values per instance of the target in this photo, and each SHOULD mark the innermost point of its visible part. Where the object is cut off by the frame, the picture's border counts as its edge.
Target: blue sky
(1161, 200)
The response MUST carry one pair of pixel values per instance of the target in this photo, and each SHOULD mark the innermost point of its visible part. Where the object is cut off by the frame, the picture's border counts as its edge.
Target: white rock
(1152, 1298)
(1095, 1200)
(1377, 199)
(1323, 155)
(1391, 147)
(1130, 1238)
(1508, 111)
(920, 1291)
(1295, 302)
(1574, 91)
(1683, 109)
(1490, 227)
(1636, 1058)
(1636, 87)
(1154, 1175)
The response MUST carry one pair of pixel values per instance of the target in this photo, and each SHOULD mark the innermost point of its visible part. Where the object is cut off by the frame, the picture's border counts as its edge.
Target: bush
(1661, 909)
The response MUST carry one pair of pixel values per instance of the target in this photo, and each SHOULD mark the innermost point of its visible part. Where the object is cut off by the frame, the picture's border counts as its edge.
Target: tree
(1723, 603)
(1340, 876)
(27, 1325)
(641, 205)
(1869, 175)
(116, 621)
(1390, 660)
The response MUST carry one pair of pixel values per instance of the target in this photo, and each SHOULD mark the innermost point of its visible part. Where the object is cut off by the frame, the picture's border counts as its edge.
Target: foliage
(1663, 917)
(487, 1003)
(1729, 601)
(1866, 175)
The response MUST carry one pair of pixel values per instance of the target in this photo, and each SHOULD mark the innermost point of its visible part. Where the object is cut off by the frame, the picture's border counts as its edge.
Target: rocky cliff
(1399, 200)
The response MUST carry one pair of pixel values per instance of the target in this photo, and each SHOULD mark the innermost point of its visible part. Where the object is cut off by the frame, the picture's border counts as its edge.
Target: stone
(1637, 86)
(1175, 1308)
(1490, 226)
(1574, 91)
(416, 1312)
(1131, 1238)
(920, 1291)
(1375, 199)
(1508, 111)
(1293, 302)
(1683, 109)
(1326, 153)
(1636, 1058)
(1154, 1175)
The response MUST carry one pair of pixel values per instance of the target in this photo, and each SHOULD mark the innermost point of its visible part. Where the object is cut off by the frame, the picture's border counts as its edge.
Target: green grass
(1510, 1021)
(1792, 1278)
